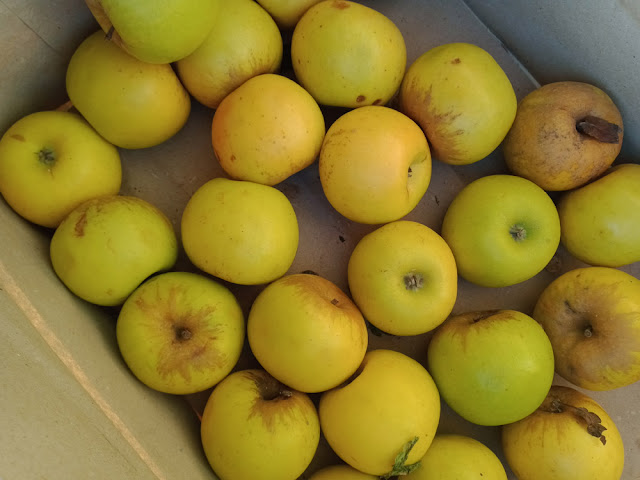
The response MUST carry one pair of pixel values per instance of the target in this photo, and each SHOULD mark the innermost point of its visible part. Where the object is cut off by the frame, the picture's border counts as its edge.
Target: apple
(51, 162)
(564, 135)
(502, 229)
(267, 129)
(592, 317)
(491, 367)
(180, 332)
(287, 13)
(156, 32)
(461, 98)
(255, 428)
(244, 42)
(242, 232)
(348, 55)
(403, 278)
(341, 472)
(107, 246)
(306, 332)
(459, 457)
(131, 103)
(374, 164)
(600, 221)
(383, 420)
(569, 436)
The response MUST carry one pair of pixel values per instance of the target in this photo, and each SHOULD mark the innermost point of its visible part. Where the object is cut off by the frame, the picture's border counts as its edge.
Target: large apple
(180, 332)
(131, 103)
(592, 317)
(570, 436)
(491, 367)
(242, 232)
(462, 99)
(600, 222)
(403, 278)
(51, 162)
(375, 165)
(502, 229)
(109, 245)
(156, 32)
(384, 419)
(564, 134)
(341, 472)
(286, 13)
(255, 428)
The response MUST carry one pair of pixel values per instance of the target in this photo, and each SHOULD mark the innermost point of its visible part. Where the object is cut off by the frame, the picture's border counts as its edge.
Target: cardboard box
(70, 408)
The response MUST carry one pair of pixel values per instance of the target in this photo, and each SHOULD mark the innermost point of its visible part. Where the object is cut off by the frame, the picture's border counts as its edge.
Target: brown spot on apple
(455, 61)
(361, 98)
(81, 223)
(18, 137)
(377, 101)
(340, 4)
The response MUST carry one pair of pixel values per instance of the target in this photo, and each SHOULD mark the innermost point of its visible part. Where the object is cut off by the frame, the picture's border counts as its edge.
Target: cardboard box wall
(69, 407)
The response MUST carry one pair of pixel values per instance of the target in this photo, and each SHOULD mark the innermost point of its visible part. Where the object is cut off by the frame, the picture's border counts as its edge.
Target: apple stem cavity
(399, 467)
(588, 332)
(183, 334)
(593, 421)
(518, 232)
(47, 156)
(413, 281)
(599, 129)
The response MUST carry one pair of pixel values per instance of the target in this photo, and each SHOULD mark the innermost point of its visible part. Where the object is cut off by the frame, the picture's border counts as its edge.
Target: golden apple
(341, 472)
(286, 13)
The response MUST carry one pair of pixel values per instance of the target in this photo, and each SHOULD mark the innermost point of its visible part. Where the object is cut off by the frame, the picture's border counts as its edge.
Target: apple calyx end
(47, 156)
(593, 421)
(599, 129)
(399, 467)
(413, 281)
(518, 232)
(182, 334)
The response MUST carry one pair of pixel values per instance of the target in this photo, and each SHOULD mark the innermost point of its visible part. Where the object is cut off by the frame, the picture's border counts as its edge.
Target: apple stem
(593, 421)
(588, 332)
(518, 232)
(599, 129)
(47, 156)
(413, 281)
(399, 467)
(183, 333)
(65, 107)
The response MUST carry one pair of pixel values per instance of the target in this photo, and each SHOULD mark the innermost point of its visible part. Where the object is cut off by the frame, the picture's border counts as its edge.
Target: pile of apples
(131, 85)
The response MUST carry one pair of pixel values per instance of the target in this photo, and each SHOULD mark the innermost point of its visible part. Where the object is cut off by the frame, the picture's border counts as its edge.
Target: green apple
(491, 367)
(306, 332)
(341, 472)
(502, 229)
(156, 32)
(403, 278)
(51, 162)
(600, 222)
(180, 332)
(384, 419)
(286, 13)
(255, 428)
(592, 317)
(131, 103)
(107, 246)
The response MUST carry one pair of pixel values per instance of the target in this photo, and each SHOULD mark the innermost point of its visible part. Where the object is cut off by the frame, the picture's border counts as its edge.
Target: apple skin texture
(180, 332)
(600, 221)
(592, 317)
(78, 164)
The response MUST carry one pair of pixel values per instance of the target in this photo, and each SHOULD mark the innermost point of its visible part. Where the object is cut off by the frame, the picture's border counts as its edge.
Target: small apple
(502, 229)
(458, 457)
(570, 436)
(51, 162)
(384, 419)
(109, 245)
(491, 367)
(592, 317)
(156, 32)
(180, 332)
(462, 99)
(375, 165)
(132, 104)
(267, 129)
(600, 221)
(255, 428)
(348, 55)
(341, 472)
(403, 278)
(286, 13)
(241, 232)
(244, 42)
(307, 333)
(564, 134)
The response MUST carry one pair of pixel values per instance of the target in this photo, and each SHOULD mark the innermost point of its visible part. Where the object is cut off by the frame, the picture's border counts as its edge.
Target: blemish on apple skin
(455, 61)
(78, 230)
(360, 98)
(18, 137)
(340, 4)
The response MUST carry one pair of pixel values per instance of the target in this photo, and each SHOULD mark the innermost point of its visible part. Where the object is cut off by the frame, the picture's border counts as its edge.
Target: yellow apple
(51, 162)
(403, 277)
(348, 55)
(286, 13)
(462, 99)
(132, 104)
(307, 333)
(244, 42)
(156, 32)
(341, 472)
(375, 165)
(255, 428)
(241, 232)
(385, 418)
(267, 129)
(600, 221)
(569, 437)
(592, 317)
(180, 332)
(458, 457)
(109, 245)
